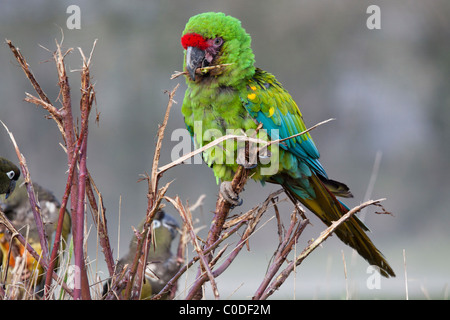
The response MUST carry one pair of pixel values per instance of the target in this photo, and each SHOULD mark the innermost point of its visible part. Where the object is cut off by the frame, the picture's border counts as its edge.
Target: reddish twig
(279, 280)
(222, 209)
(76, 152)
(155, 175)
(285, 246)
(247, 233)
(173, 281)
(82, 290)
(87, 97)
(59, 226)
(23, 63)
(154, 198)
(187, 219)
(100, 221)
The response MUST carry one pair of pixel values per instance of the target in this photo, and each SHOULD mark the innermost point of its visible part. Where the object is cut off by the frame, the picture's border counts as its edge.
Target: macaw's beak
(194, 60)
(12, 186)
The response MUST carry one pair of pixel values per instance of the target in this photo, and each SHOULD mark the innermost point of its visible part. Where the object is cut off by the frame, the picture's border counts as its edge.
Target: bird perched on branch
(162, 265)
(225, 91)
(18, 210)
(9, 174)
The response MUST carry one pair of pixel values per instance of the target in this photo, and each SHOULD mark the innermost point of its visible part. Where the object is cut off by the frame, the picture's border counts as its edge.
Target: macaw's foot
(227, 192)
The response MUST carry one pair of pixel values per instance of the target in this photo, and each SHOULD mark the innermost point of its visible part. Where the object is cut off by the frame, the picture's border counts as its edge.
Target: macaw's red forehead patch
(194, 40)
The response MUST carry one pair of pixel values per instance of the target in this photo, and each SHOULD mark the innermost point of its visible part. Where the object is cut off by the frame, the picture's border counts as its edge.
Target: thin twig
(312, 246)
(49, 107)
(368, 195)
(200, 70)
(251, 227)
(406, 275)
(347, 293)
(154, 197)
(87, 96)
(59, 226)
(155, 174)
(239, 138)
(286, 245)
(32, 197)
(225, 235)
(187, 219)
(23, 63)
(301, 133)
(100, 219)
(81, 289)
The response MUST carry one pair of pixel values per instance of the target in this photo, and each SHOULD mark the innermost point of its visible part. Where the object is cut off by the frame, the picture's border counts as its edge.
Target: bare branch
(242, 138)
(32, 197)
(155, 174)
(312, 246)
(23, 63)
(187, 219)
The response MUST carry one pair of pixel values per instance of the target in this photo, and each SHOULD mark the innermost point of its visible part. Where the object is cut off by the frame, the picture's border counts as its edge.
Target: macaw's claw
(227, 192)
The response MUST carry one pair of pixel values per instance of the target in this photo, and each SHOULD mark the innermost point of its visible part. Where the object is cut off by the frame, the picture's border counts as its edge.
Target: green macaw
(232, 94)
(18, 210)
(162, 265)
(9, 173)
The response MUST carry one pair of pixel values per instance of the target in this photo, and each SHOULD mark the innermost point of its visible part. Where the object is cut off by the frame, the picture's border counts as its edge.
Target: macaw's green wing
(270, 104)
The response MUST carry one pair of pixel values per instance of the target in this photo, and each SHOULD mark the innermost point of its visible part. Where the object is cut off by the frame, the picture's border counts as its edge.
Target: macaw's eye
(10, 174)
(156, 224)
(218, 41)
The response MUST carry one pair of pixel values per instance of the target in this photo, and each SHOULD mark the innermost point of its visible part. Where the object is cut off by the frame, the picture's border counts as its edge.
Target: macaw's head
(9, 173)
(212, 39)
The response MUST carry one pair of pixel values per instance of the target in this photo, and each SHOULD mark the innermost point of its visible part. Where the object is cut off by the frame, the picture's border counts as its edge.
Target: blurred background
(388, 90)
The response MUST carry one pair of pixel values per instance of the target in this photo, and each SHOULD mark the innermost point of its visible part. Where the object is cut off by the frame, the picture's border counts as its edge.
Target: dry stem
(77, 182)
(242, 138)
(154, 197)
(311, 247)
(32, 197)
(187, 219)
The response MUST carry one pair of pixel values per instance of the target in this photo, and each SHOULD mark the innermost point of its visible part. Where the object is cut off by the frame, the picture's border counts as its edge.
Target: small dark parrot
(9, 174)
(18, 210)
(162, 265)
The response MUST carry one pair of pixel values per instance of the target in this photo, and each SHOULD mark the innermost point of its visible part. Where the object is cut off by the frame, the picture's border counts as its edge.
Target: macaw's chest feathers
(217, 108)
(212, 112)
